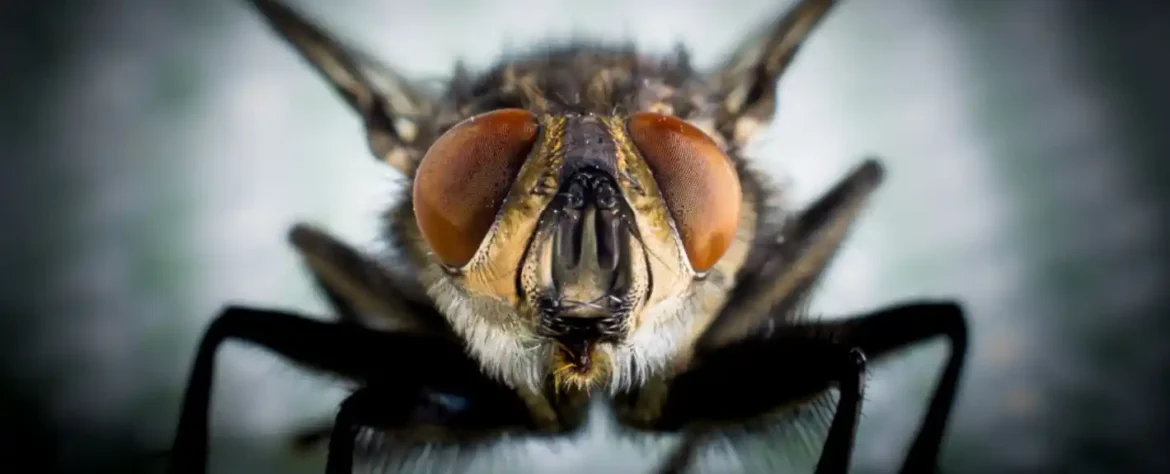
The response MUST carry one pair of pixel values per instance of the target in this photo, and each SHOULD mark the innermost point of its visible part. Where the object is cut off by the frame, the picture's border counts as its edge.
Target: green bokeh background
(155, 153)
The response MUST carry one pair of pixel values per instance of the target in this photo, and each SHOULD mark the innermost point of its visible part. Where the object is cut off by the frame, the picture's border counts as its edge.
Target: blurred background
(157, 151)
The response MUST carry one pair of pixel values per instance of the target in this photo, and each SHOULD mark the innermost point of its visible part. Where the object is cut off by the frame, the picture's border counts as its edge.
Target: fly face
(569, 243)
(581, 218)
(578, 215)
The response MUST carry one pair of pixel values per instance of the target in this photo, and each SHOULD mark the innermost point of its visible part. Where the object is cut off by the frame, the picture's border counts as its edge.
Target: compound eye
(697, 180)
(464, 177)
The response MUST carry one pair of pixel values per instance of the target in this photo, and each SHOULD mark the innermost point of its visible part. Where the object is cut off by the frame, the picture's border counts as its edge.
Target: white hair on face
(505, 348)
(653, 345)
(511, 352)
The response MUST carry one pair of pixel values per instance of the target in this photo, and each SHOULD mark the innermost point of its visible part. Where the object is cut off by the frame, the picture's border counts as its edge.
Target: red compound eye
(464, 177)
(697, 180)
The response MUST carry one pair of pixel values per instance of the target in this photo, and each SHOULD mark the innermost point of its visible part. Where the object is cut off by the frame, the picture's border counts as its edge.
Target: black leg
(848, 371)
(460, 407)
(345, 430)
(345, 350)
(360, 290)
(884, 332)
(838, 449)
(740, 382)
(727, 384)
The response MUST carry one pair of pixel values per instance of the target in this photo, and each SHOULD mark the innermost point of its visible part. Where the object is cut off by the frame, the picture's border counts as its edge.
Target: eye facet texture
(697, 180)
(464, 177)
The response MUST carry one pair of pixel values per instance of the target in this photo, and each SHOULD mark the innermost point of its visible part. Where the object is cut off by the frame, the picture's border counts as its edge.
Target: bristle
(568, 376)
